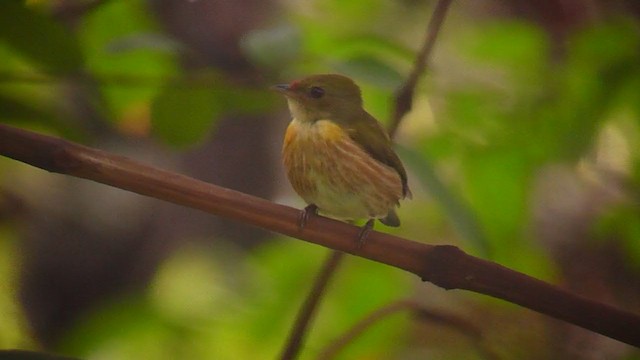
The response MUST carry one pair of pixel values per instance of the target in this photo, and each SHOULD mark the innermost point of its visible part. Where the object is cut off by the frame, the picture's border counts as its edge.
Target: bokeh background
(523, 147)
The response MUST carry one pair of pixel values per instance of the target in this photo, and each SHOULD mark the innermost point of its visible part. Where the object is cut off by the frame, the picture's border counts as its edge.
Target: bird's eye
(316, 92)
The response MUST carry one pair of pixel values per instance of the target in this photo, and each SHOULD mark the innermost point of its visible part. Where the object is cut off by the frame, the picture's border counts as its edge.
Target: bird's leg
(364, 232)
(311, 209)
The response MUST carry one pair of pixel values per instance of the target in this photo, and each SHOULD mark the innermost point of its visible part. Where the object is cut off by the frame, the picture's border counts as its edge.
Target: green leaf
(622, 223)
(183, 115)
(127, 53)
(497, 185)
(605, 44)
(40, 39)
(517, 47)
(372, 70)
(373, 45)
(602, 69)
(17, 111)
(462, 217)
(143, 41)
(272, 47)
(124, 328)
(14, 110)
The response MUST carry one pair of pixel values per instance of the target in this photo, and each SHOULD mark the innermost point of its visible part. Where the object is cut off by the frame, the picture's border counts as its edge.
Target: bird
(338, 158)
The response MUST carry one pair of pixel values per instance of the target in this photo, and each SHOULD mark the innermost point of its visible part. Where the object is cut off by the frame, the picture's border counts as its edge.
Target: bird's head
(326, 96)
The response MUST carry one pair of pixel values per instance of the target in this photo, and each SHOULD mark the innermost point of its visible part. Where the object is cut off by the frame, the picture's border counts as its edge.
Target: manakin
(337, 156)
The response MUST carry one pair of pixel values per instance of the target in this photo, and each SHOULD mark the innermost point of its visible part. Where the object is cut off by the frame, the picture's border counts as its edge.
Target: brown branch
(443, 265)
(306, 312)
(376, 316)
(404, 95)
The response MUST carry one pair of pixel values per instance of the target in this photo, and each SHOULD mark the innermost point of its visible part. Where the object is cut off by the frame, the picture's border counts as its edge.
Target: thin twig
(461, 325)
(404, 95)
(335, 347)
(308, 309)
(444, 265)
(465, 328)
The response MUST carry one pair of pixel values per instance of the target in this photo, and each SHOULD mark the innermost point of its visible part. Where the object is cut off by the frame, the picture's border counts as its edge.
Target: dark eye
(316, 92)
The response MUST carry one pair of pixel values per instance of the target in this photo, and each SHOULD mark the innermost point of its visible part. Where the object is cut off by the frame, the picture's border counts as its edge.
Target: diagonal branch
(404, 95)
(310, 306)
(460, 325)
(443, 265)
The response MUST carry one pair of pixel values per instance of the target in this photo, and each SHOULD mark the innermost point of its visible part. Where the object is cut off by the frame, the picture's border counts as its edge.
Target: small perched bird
(337, 156)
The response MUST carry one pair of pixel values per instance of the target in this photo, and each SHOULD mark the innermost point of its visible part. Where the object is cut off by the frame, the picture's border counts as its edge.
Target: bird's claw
(364, 232)
(311, 209)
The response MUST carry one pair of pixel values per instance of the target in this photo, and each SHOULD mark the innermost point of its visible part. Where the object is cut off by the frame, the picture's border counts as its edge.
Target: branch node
(441, 264)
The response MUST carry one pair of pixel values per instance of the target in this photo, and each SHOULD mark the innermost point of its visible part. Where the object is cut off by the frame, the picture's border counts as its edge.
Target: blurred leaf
(186, 110)
(245, 101)
(497, 184)
(183, 115)
(519, 48)
(16, 111)
(351, 10)
(373, 45)
(623, 223)
(127, 54)
(603, 63)
(14, 327)
(173, 291)
(273, 47)
(605, 44)
(325, 44)
(24, 82)
(13, 64)
(144, 41)
(376, 100)
(126, 328)
(121, 38)
(475, 117)
(546, 113)
(372, 70)
(461, 216)
(30, 97)
(38, 38)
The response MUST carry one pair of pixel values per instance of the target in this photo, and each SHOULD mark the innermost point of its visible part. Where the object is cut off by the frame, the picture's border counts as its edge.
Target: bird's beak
(281, 88)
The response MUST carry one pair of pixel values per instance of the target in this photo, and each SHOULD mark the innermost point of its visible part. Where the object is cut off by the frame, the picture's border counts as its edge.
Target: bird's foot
(308, 211)
(364, 232)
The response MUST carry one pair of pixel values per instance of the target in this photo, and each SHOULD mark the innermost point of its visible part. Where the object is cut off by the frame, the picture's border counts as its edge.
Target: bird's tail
(391, 219)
